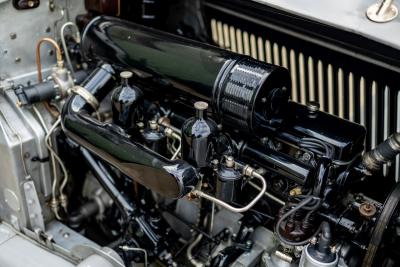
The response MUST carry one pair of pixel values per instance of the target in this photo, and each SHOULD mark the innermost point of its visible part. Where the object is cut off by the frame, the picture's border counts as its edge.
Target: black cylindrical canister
(198, 133)
(126, 103)
(229, 182)
(244, 93)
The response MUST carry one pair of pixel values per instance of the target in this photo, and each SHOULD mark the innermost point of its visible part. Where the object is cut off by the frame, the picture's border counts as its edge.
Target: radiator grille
(340, 88)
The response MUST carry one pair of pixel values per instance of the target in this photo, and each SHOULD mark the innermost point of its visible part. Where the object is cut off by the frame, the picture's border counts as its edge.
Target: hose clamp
(86, 95)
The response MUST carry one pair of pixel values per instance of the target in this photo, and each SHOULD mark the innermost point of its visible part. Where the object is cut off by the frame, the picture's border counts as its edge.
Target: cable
(297, 207)
(64, 44)
(317, 146)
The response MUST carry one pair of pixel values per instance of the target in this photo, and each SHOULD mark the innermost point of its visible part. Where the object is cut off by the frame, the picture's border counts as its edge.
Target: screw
(306, 156)
(48, 29)
(13, 35)
(50, 52)
(17, 60)
(5, 51)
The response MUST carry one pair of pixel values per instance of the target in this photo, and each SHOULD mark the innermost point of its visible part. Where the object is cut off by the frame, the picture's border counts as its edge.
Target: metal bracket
(382, 12)
(33, 206)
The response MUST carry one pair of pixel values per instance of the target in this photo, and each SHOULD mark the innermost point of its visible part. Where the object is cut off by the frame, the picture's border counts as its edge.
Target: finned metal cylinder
(243, 92)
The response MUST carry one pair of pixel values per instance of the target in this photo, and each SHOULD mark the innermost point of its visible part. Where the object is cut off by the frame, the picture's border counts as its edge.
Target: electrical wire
(317, 146)
(295, 208)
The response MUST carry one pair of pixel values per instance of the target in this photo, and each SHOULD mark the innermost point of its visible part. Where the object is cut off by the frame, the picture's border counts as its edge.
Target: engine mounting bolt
(13, 35)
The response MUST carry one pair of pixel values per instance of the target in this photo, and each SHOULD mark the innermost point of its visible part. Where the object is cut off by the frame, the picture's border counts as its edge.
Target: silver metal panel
(21, 29)
(21, 140)
(352, 16)
(16, 251)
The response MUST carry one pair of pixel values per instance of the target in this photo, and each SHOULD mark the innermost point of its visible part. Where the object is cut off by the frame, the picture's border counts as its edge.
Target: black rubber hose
(383, 153)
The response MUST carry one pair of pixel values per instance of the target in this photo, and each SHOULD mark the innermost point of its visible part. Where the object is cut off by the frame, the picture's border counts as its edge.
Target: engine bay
(139, 147)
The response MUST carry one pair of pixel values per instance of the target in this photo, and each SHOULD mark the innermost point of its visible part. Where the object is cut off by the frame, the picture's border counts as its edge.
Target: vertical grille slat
(232, 35)
(260, 45)
(374, 114)
(302, 79)
(268, 51)
(331, 93)
(363, 105)
(311, 86)
(352, 103)
(293, 74)
(340, 80)
(321, 91)
(340, 88)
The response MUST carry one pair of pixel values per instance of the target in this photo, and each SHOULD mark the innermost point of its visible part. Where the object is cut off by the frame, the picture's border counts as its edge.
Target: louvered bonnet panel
(345, 86)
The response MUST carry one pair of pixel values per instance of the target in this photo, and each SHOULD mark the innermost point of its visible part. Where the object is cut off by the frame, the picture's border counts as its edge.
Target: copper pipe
(38, 60)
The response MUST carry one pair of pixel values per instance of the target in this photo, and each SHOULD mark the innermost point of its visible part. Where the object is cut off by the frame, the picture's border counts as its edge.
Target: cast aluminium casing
(25, 181)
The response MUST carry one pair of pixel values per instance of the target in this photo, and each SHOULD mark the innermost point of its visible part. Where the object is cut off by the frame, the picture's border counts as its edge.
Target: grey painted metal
(384, 11)
(33, 206)
(21, 140)
(17, 251)
(351, 13)
(17, 55)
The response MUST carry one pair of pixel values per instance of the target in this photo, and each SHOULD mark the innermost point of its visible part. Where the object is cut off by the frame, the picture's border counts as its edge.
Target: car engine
(128, 144)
